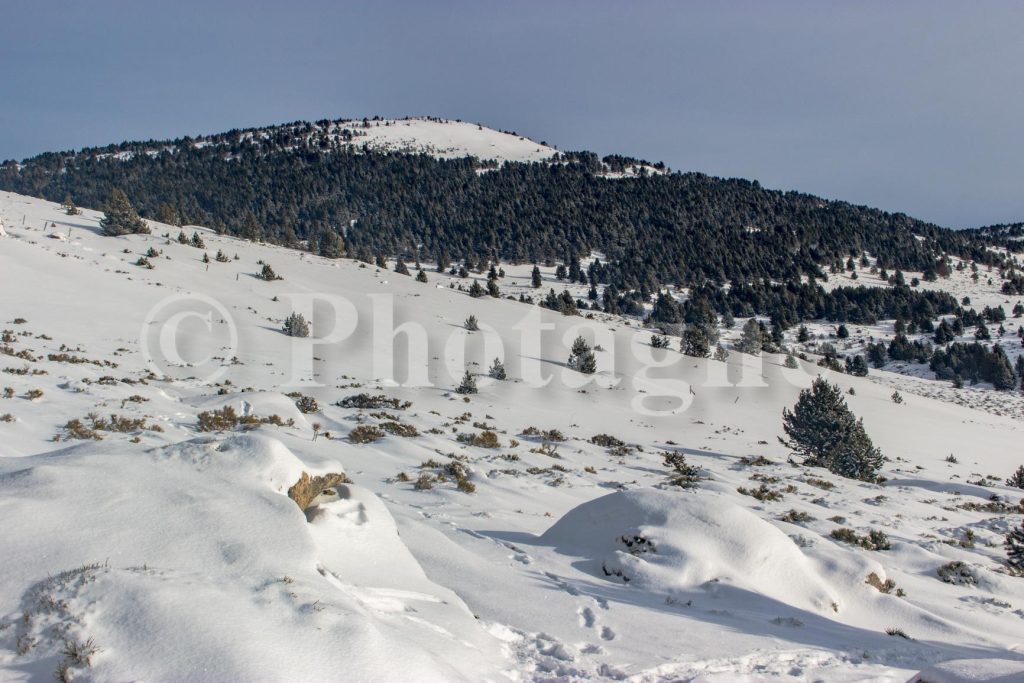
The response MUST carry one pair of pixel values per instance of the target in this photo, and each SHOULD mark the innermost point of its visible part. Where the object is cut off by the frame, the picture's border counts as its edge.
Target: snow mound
(197, 542)
(973, 671)
(670, 542)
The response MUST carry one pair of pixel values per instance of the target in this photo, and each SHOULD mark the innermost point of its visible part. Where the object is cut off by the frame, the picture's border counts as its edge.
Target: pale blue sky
(909, 106)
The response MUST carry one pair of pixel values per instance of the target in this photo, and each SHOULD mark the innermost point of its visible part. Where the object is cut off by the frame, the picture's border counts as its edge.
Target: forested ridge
(299, 181)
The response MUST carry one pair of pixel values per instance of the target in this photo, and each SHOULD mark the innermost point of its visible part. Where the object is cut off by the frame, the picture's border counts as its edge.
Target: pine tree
(182, 239)
(468, 385)
(791, 362)
(295, 325)
(68, 205)
(535, 280)
(492, 287)
(120, 218)
(803, 335)
(1015, 550)
(825, 433)
(751, 341)
(1017, 478)
(421, 276)
(581, 358)
(476, 291)
(659, 341)
(842, 332)
(197, 241)
(401, 268)
(329, 245)
(695, 342)
(497, 370)
(471, 324)
(721, 354)
(267, 273)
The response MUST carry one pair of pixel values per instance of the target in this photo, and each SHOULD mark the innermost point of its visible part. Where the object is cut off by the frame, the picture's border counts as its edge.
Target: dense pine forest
(302, 181)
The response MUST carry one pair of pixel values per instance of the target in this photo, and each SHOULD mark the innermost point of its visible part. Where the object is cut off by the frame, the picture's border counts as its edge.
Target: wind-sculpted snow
(153, 420)
(669, 543)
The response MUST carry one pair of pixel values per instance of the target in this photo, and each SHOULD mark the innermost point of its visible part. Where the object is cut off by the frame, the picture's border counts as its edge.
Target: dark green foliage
(857, 366)
(822, 429)
(468, 385)
(695, 341)
(267, 273)
(683, 474)
(497, 370)
(295, 325)
(476, 291)
(288, 182)
(1014, 545)
(119, 216)
(471, 324)
(581, 358)
(974, 362)
(659, 341)
(1017, 478)
(535, 280)
(421, 276)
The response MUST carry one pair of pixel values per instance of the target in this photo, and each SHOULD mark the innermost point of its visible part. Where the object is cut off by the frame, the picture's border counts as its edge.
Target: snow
(180, 554)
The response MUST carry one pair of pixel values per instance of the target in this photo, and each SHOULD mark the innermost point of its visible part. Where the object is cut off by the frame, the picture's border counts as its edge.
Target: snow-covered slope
(553, 556)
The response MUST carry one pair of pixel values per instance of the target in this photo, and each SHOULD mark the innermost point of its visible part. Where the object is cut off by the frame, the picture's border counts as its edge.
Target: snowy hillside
(530, 531)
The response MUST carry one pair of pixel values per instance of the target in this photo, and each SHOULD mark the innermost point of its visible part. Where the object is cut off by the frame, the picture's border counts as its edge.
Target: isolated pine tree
(468, 385)
(476, 291)
(751, 340)
(497, 370)
(695, 342)
(822, 429)
(421, 276)
(119, 216)
(69, 206)
(197, 241)
(492, 287)
(581, 358)
(535, 280)
(295, 325)
(1014, 545)
(267, 273)
(1017, 478)
(791, 362)
(471, 324)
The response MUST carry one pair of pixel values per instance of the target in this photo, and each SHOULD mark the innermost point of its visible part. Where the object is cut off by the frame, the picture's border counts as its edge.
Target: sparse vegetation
(365, 434)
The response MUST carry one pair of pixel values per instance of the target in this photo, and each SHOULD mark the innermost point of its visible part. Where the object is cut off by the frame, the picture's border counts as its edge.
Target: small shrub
(957, 573)
(1016, 479)
(399, 429)
(606, 441)
(797, 517)
(34, 394)
(875, 540)
(307, 405)
(682, 474)
(876, 582)
(368, 402)
(762, 493)
(893, 631)
(471, 324)
(485, 439)
(8, 392)
(221, 420)
(424, 483)
(365, 434)
(267, 273)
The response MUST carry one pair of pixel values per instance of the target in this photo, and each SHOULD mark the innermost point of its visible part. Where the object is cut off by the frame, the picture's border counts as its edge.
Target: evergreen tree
(471, 324)
(267, 273)
(197, 241)
(497, 370)
(468, 385)
(791, 362)
(695, 342)
(476, 291)
(401, 268)
(1016, 479)
(329, 244)
(857, 366)
(581, 358)
(295, 325)
(119, 216)
(659, 341)
(182, 239)
(842, 332)
(1015, 550)
(68, 205)
(751, 340)
(492, 287)
(421, 276)
(825, 433)
(721, 354)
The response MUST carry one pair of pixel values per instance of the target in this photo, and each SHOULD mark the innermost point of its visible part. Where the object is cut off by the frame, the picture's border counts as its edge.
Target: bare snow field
(528, 532)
